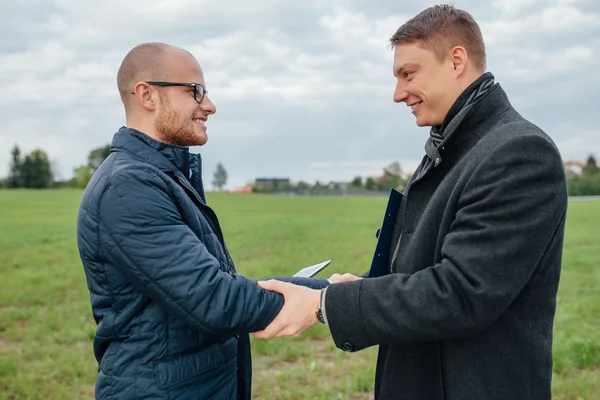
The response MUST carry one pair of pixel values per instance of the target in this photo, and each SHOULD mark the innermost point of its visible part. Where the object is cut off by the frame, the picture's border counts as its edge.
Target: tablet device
(311, 271)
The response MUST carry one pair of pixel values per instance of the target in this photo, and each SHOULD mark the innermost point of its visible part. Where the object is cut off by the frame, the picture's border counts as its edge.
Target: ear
(145, 96)
(459, 59)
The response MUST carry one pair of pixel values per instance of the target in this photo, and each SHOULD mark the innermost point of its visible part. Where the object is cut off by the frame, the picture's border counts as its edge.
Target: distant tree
(391, 178)
(591, 161)
(97, 157)
(318, 186)
(389, 181)
(584, 185)
(588, 182)
(14, 173)
(302, 186)
(591, 167)
(220, 177)
(82, 177)
(36, 172)
(393, 169)
(356, 182)
(370, 184)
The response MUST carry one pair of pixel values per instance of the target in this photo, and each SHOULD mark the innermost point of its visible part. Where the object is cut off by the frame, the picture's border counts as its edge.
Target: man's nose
(208, 106)
(400, 94)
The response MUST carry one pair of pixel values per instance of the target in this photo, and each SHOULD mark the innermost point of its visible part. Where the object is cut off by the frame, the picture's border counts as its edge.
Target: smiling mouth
(201, 120)
(414, 105)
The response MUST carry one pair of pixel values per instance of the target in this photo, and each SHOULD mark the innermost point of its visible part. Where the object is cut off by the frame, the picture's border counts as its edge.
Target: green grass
(46, 326)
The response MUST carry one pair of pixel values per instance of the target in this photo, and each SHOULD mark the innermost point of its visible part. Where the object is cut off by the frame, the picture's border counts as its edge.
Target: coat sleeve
(144, 237)
(509, 212)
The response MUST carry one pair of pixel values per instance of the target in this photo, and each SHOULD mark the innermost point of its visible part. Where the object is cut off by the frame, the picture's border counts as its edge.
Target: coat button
(347, 346)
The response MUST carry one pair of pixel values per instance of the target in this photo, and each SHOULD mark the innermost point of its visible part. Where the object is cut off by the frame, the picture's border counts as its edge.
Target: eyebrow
(403, 67)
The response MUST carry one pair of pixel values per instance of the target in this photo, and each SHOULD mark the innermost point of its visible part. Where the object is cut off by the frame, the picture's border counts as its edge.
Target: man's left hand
(298, 312)
(337, 278)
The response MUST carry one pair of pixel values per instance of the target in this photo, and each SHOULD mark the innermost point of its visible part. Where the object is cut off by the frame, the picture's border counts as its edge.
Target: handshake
(299, 310)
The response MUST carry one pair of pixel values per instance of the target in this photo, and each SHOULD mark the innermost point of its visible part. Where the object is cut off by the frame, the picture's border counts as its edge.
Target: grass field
(46, 326)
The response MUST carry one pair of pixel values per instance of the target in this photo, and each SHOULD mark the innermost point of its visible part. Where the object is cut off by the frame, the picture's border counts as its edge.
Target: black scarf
(439, 134)
(459, 110)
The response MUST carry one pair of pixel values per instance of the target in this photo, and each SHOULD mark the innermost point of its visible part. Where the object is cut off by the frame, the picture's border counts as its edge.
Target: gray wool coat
(466, 308)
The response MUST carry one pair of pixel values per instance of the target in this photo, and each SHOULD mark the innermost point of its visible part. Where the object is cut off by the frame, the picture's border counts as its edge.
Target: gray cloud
(302, 89)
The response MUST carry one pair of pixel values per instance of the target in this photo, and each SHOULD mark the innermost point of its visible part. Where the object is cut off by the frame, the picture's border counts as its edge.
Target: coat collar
(166, 157)
(483, 116)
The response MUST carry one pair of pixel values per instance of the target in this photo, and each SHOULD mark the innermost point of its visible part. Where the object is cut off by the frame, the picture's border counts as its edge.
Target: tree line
(30, 171)
(34, 171)
(586, 183)
(391, 177)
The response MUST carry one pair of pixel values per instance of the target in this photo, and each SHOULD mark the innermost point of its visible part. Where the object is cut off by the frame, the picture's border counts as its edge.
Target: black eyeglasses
(199, 90)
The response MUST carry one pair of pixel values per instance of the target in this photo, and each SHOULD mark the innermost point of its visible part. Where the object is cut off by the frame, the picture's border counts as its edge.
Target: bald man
(173, 315)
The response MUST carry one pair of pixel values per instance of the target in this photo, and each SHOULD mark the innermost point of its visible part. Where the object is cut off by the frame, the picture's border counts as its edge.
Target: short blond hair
(440, 28)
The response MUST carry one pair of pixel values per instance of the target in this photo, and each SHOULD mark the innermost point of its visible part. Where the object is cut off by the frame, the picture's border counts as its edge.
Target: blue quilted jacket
(173, 315)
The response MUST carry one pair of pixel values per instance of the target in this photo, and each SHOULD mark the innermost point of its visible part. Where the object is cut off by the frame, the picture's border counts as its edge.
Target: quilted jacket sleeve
(311, 283)
(142, 234)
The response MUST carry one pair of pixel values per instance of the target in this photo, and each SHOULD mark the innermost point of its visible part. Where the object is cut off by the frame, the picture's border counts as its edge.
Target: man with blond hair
(461, 294)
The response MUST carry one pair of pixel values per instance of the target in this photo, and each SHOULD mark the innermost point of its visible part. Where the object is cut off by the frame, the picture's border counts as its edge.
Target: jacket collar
(169, 158)
(166, 157)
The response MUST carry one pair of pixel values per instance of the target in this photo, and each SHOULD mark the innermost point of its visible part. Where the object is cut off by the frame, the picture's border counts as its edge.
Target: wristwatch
(319, 311)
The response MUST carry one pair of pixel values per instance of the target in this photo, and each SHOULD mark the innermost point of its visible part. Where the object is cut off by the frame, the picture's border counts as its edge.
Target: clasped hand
(299, 310)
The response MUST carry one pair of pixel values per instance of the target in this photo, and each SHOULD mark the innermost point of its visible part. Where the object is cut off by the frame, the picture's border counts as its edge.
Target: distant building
(271, 184)
(574, 167)
(243, 189)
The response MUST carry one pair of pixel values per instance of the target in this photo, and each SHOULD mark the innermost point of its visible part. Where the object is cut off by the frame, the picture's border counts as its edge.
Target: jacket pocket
(200, 366)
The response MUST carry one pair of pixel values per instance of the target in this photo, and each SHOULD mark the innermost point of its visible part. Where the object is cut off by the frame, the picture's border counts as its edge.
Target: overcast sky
(303, 89)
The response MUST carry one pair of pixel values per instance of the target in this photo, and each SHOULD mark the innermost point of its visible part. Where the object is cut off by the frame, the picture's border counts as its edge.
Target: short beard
(171, 130)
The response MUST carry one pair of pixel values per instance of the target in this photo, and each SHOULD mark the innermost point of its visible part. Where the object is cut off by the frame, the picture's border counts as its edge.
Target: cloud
(531, 65)
(303, 89)
(513, 7)
(545, 21)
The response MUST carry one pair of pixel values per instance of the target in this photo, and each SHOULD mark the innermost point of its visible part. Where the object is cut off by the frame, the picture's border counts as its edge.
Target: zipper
(214, 224)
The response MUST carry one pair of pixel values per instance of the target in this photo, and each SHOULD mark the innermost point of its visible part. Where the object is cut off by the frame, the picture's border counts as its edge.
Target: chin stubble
(170, 129)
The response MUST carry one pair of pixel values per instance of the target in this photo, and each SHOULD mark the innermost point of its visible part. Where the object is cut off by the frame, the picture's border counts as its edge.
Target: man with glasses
(173, 315)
